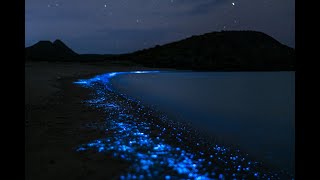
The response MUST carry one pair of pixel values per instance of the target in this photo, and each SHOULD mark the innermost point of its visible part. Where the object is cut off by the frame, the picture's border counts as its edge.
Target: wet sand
(55, 122)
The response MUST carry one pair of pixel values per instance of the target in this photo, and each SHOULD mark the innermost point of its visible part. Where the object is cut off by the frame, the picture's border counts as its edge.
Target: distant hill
(226, 50)
(218, 51)
(46, 50)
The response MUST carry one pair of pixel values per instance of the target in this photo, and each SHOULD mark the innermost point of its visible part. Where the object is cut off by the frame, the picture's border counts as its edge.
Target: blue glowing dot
(101, 149)
(81, 149)
(91, 144)
(168, 177)
(202, 178)
(80, 82)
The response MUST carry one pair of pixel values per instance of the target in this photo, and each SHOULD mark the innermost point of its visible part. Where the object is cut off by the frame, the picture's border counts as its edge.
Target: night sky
(120, 26)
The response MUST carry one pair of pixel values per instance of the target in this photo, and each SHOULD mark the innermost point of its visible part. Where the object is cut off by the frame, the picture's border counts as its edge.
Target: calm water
(255, 110)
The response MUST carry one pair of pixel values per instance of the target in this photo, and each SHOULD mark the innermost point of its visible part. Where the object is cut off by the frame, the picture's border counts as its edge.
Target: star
(156, 17)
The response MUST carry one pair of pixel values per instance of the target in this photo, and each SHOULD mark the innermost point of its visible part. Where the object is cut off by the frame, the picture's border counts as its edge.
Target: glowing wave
(158, 148)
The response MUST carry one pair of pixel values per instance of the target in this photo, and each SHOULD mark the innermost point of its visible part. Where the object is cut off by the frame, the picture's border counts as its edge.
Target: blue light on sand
(140, 137)
(105, 78)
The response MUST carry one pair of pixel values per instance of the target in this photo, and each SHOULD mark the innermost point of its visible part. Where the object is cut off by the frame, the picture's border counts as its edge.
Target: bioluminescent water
(159, 148)
(254, 110)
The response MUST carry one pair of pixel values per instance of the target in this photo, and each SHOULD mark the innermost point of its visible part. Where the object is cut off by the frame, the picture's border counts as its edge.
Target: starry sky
(122, 26)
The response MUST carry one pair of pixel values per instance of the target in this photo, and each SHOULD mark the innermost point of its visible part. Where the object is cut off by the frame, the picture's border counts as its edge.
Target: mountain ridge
(45, 49)
(224, 50)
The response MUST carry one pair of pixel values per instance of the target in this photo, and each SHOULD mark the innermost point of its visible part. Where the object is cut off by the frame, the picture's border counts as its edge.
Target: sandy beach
(55, 122)
(115, 137)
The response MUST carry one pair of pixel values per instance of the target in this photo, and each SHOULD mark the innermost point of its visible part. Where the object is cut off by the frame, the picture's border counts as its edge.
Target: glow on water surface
(158, 148)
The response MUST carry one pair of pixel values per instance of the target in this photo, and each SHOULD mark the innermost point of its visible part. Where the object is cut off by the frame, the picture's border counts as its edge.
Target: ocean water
(157, 120)
(254, 110)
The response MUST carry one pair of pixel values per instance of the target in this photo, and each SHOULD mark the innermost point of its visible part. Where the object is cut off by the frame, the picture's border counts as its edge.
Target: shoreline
(57, 127)
(226, 105)
(55, 124)
(158, 128)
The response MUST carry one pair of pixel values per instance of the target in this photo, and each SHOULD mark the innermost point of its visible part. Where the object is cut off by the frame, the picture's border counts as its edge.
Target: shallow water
(158, 146)
(254, 110)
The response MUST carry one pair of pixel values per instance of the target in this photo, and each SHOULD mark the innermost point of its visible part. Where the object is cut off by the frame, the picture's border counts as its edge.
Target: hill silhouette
(225, 50)
(46, 50)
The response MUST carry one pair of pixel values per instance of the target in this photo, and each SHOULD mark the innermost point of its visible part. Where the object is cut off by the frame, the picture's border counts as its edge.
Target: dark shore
(55, 122)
